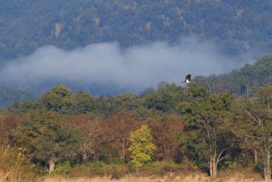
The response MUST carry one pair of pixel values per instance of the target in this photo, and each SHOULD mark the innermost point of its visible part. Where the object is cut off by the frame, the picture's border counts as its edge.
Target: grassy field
(171, 177)
(14, 167)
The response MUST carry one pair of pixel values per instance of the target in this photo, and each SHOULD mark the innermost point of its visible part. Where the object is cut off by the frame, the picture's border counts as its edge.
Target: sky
(136, 67)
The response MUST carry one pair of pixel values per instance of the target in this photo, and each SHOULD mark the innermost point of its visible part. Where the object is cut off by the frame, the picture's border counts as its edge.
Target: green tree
(259, 128)
(62, 100)
(141, 147)
(165, 99)
(45, 138)
(82, 103)
(105, 107)
(207, 136)
(59, 99)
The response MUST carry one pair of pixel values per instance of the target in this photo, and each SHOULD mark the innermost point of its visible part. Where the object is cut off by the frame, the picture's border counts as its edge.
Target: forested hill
(235, 25)
(244, 81)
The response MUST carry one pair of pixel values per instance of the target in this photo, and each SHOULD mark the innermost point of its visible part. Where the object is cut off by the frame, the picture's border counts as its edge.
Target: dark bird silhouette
(188, 79)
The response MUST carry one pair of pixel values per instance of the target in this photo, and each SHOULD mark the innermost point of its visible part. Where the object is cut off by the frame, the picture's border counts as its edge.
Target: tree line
(211, 131)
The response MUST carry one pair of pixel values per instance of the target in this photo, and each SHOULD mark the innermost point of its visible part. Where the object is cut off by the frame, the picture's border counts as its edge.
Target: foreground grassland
(171, 177)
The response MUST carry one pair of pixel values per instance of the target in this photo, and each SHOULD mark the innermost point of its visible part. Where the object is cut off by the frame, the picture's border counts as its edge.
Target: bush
(162, 167)
(119, 169)
(233, 165)
(63, 168)
(116, 170)
(17, 167)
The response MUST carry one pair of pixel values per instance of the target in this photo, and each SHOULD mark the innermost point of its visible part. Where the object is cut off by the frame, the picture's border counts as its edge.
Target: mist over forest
(132, 69)
(109, 48)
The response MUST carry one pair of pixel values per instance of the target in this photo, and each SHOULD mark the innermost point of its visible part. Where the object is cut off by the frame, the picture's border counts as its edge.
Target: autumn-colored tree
(141, 148)
(116, 133)
(164, 134)
(8, 123)
(90, 128)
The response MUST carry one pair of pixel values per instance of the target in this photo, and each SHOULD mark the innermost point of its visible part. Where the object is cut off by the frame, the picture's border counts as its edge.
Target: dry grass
(240, 176)
(14, 166)
(189, 177)
(126, 179)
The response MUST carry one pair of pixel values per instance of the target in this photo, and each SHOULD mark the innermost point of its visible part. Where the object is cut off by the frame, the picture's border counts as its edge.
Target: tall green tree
(45, 138)
(259, 126)
(207, 136)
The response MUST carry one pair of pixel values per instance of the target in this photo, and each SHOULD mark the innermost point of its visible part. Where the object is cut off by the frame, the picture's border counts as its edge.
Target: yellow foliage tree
(141, 147)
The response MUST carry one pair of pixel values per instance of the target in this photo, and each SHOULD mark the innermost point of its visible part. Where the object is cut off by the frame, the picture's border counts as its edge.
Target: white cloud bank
(135, 67)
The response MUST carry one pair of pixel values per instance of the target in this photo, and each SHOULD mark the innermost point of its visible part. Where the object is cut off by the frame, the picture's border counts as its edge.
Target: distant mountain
(241, 82)
(234, 25)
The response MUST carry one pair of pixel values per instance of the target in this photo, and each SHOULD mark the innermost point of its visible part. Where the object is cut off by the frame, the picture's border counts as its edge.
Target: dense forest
(234, 25)
(170, 129)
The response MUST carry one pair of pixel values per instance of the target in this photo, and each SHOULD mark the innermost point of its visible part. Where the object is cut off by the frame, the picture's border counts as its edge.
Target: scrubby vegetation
(16, 166)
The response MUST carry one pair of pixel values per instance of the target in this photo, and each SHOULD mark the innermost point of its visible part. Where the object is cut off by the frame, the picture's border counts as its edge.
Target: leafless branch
(255, 119)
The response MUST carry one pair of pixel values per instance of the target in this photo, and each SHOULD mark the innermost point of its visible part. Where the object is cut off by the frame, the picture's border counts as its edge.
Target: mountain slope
(234, 25)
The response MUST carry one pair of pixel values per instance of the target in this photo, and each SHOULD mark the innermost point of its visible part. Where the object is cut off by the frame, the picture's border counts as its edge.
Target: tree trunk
(123, 150)
(267, 169)
(255, 156)
(85, 156)
(51, 165)
(123, 153)
(213, 166)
